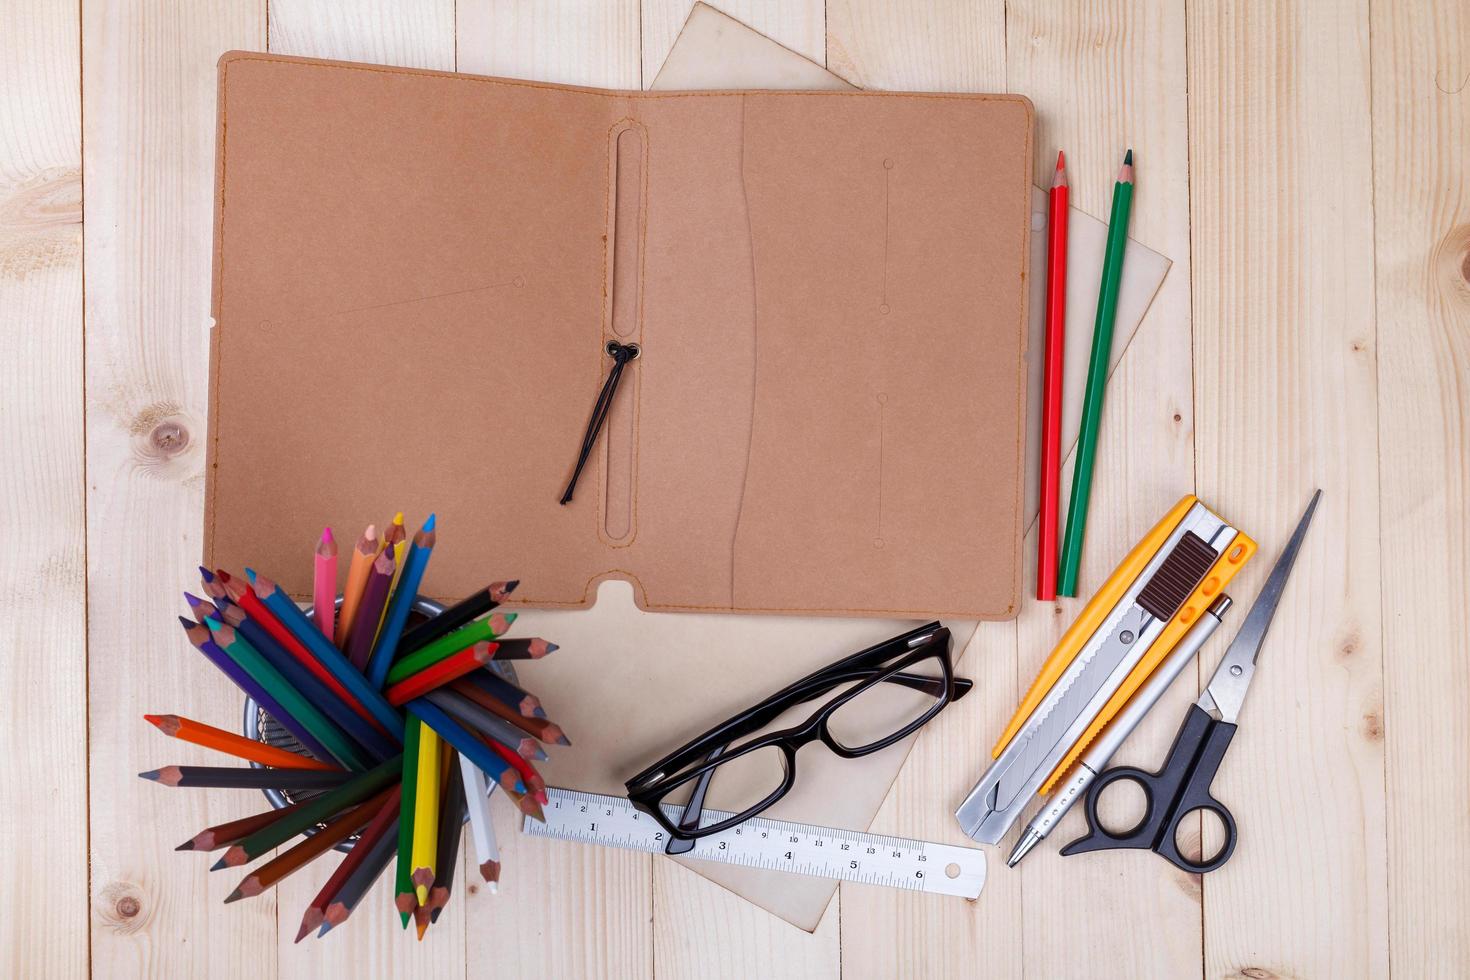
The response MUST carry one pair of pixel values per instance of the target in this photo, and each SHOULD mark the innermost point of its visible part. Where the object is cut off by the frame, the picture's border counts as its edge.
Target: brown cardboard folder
(416, 274)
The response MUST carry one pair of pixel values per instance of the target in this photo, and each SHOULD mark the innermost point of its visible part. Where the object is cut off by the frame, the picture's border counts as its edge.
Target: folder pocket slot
(624, 322)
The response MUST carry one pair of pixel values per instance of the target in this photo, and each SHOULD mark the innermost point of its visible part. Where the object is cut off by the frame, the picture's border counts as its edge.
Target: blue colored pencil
(338, 711)
(401, 604)
(199, 636)
(290, 615)
(468, 744)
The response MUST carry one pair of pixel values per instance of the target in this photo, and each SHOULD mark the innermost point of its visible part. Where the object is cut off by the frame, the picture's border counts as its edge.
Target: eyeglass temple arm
(694, 809)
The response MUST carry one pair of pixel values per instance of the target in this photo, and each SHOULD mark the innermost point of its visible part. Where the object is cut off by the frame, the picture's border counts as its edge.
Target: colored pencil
(243, 596)
(330, 803)
(200, 609)
(199, 635)
(403, 894)
(451, 832)
(340, 712)
(468, 744)
(482, 829)
(472, 715)
(473, 606)
(335, 831)
(426, 814)
(395, 543)
(479, 631)
(361, 880)
(542, 729)
(234, 831)
(294, 687)
(376, 830)
(324, 585)
(357, 576)
(439, 674)
(1058, 212)
(529, 648)
(400, 604)
(370, 610)
(297, 707)
(520, 701)
(535, 785)
(188, 730)
(1097, 378)
(211, 583)
(278, 602)
(246, 777)
(526, 803)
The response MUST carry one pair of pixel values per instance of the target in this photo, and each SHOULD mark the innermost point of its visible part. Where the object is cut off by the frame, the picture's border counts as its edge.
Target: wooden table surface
(1303, 162)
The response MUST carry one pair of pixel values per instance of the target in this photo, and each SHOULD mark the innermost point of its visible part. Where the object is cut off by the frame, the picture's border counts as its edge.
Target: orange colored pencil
(357, 576)
(229, 743)
(441, 673)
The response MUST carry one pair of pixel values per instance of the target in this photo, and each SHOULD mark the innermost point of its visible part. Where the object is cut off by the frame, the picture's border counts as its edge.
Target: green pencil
(449, 644)
(1097, 378)
(404, 898)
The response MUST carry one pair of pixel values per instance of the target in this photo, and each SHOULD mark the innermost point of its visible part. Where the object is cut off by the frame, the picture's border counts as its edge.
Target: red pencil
(437, 675)
(324, 584)
(1051, 405)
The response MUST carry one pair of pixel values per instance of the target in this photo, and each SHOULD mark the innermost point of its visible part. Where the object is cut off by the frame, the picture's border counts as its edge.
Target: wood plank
(149, 129)
(418, 34)
(1421, 127)
(563, 909)
(1104, 78)
(953, 47)
(800, 26)
(408, 33)
(1282, 220)
(43, 593)
(568, 41)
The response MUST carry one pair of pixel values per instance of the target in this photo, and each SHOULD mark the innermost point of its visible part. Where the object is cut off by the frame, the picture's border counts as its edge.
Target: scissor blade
(1226, 691)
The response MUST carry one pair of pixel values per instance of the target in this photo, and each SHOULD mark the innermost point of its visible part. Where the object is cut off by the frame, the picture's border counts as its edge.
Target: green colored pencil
(1097, 378)
(404, 898)
(312, 812)
(450, 644)
(311, 718)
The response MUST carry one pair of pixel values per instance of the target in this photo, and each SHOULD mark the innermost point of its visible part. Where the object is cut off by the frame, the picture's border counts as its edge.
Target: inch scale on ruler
(777, 845)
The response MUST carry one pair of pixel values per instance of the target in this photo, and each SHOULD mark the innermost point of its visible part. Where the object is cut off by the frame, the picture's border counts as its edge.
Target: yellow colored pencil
(426, 814)
(357, 576)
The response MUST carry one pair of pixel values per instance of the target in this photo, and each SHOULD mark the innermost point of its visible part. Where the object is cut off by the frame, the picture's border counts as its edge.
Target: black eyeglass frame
(698, 759)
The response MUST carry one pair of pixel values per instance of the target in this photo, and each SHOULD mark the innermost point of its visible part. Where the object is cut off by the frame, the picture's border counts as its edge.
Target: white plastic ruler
(846, 855)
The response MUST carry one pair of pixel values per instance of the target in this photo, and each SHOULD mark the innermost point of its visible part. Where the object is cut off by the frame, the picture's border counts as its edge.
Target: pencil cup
(261, 727)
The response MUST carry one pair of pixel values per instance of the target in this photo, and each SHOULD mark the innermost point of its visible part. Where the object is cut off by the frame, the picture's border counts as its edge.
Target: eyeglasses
(874, 698)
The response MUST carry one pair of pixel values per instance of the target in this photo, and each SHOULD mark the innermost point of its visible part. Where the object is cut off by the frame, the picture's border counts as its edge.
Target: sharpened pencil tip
(1061, 160)
(151, 774)
(250, 574)
(206, 574)
(429, 524)
(1128, 158)
(233, 896)
(219, 865)
(327, 535)
(398, 518)
(187, 845)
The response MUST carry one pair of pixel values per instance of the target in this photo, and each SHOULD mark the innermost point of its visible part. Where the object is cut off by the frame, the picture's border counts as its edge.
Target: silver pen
(1095, 759)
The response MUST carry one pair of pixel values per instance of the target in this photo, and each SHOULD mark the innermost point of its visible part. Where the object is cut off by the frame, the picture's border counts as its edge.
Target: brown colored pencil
(521, 701)
(188, 730)
(526, 803)
(225, 834)
(383, 820)
(528, 648)
(244, 777)
(379, 856)
(337, 830)
(538, 728)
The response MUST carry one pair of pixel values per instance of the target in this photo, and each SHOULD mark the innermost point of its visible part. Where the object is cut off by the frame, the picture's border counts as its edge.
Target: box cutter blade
(1098, 669)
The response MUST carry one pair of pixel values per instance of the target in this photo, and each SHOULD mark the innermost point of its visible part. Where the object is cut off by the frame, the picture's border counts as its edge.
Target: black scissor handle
(1181, 787)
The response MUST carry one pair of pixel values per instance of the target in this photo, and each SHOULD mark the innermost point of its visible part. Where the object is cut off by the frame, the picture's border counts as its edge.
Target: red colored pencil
(439, 674)
(324, 584)
(1051, 405)
(535, 785)
(245, 597)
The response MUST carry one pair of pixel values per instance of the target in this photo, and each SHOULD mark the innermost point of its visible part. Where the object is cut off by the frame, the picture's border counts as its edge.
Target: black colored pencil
(472, 607)
(361, 880)
(521, 702)
(451, 826)
(246, 777)
(529, 648)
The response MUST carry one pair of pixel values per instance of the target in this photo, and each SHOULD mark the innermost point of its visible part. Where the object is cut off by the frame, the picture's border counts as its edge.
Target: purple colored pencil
(246, 683)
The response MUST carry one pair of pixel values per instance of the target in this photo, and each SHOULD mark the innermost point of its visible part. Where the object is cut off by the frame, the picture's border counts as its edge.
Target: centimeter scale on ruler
(778, 845)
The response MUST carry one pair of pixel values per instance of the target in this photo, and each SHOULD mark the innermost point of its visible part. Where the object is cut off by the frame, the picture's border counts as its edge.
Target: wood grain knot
(169, 438)
(1450, 263)
(40, 222)
(163, 440)
(1349, 645)
(1373, 726)
(122, 907)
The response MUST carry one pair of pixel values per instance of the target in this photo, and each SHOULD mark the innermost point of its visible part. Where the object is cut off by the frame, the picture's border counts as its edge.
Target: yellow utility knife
(1164, 584)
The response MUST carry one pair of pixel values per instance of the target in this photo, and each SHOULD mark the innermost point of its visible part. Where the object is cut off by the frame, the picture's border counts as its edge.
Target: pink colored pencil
(324, 585)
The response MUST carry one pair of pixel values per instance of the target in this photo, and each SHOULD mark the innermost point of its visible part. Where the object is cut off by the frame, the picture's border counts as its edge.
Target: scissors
(1182, 786)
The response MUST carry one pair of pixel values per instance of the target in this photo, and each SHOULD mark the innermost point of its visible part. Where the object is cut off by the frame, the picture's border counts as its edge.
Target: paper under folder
(416, 274)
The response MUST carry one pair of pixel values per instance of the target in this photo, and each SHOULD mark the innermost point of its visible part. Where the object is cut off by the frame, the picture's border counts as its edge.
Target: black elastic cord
(621, 355)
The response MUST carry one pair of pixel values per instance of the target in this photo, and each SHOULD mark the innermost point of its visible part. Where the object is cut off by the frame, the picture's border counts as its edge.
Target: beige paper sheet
(626, 725)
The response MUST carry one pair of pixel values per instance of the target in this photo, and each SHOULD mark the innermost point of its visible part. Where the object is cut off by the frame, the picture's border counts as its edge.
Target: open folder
(417, 274)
